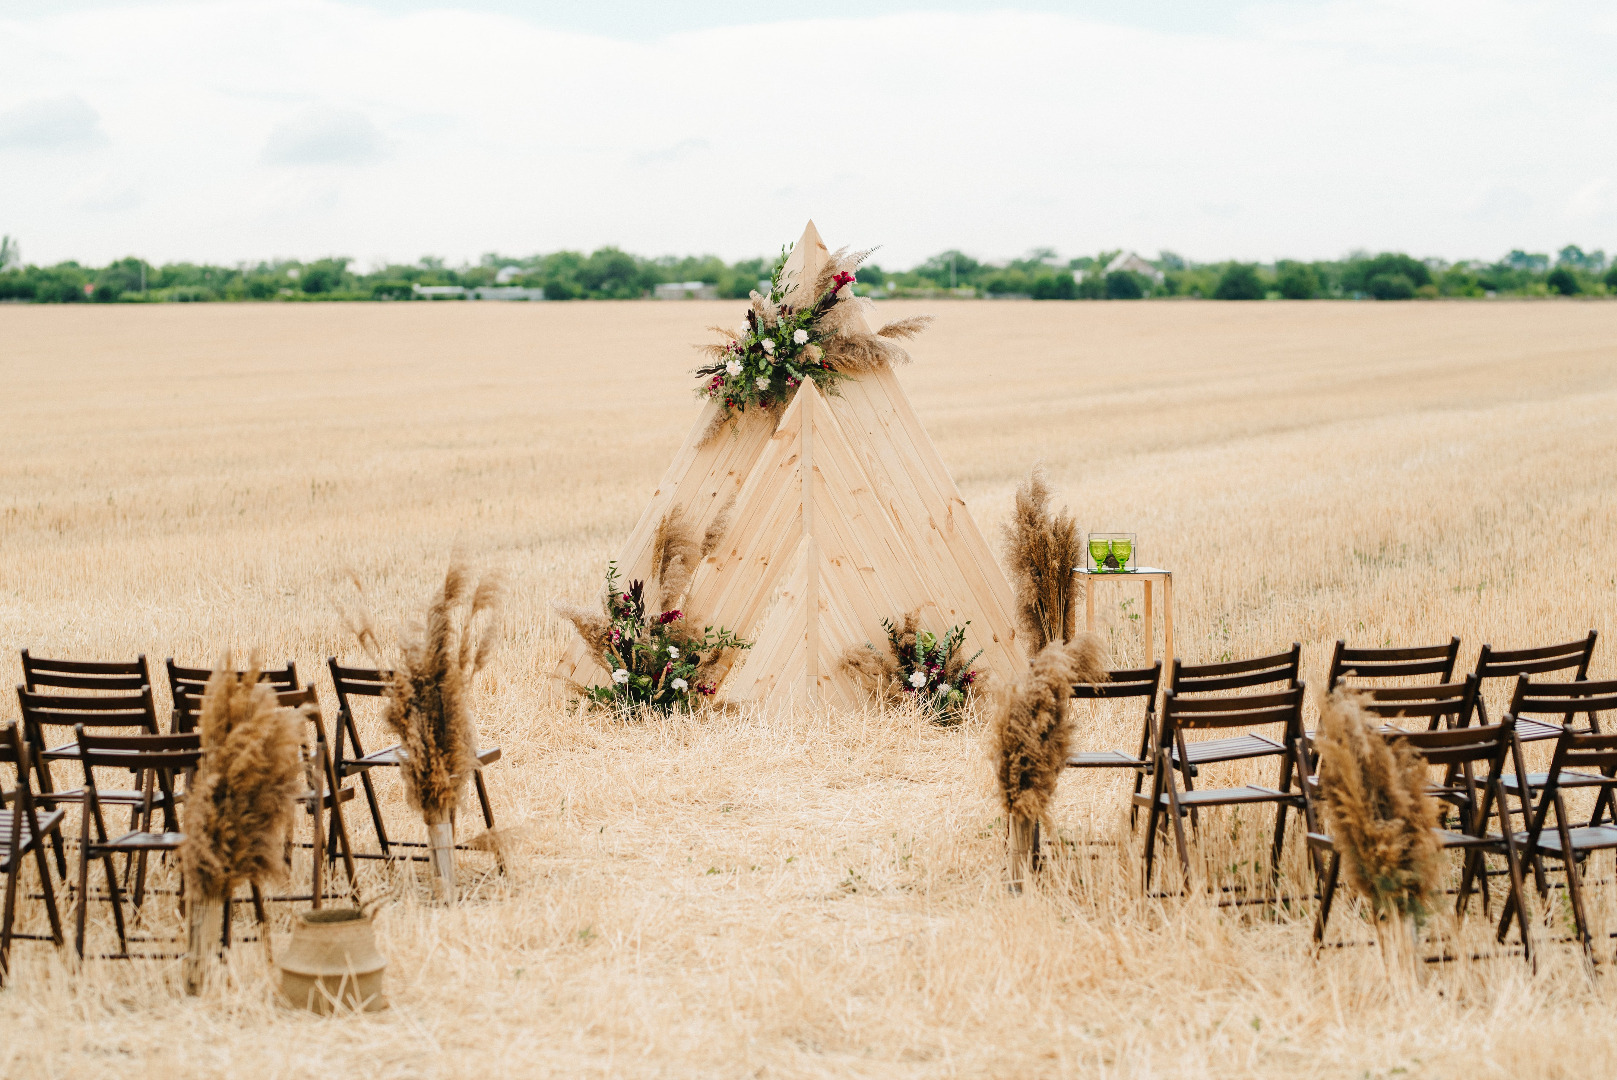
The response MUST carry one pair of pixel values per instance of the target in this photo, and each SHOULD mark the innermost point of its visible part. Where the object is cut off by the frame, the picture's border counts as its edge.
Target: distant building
(506, 292)
(439, 292)
(1131, 262)
(685, 290)
(507, 274)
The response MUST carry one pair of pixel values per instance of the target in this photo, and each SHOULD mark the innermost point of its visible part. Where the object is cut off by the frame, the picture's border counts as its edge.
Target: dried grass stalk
(1031, 731)
(675, 554)
(1044, 551)
(240, 808)
(905, 328)
(429, 702)
(1382, 820)
(879, 670)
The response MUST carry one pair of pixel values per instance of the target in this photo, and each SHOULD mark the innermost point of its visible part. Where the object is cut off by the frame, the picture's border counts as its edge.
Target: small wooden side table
(1148, 575)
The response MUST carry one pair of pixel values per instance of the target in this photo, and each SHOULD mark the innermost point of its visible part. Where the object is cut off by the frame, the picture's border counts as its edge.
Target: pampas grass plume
(1043, 550)
(240, 807)
(1031, 732)
(1381, 819)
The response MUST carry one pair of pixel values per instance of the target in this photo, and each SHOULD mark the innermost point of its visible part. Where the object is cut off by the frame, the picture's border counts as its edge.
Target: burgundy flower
(667, 617)
(842, 279)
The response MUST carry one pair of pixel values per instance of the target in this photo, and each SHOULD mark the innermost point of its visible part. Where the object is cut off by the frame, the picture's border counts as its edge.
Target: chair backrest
(1573, 656)
(358, 682)
(1458, 751)
(185, 680)
(1564, 700)
(1125, 683)
(1453, 702)
(177, 752)
(1422, 660)
(1242, 711)
(188, 706)
(41, 711)
(1282, 667)
(39, 672)
(14, 749)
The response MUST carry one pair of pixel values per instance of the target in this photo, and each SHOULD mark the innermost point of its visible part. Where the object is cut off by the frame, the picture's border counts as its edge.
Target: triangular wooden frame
(844, 515)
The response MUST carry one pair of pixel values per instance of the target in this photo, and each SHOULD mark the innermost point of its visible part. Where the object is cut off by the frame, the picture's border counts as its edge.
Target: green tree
(1562, 280)
(1297, 281)
(1390, 287)
(1123, 285)
(1611, 278)
(323, 276)
(1239, 281)
(1055, 286)
(124, 276)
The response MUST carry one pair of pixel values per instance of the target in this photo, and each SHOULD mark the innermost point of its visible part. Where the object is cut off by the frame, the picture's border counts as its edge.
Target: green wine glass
(1098, 550)
(1122, 550)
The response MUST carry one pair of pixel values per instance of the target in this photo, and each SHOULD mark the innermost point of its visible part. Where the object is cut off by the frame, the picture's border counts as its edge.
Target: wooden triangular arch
(844, 515)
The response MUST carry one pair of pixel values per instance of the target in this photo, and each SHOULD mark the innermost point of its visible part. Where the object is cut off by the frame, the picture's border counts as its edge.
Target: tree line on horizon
(613, 274)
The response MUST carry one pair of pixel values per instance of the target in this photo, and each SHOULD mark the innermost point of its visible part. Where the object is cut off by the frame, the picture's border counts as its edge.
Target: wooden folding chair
(1281, 711)
(1197, 680)
(353, 683)
(1593, 757)
(1458, 751)
(39, 673)
(1124, 683)
(187, 684)
(1493, 664)
(171, 754)
(1437, 705)
(1379, 664)
(24, 826)
(126, 712)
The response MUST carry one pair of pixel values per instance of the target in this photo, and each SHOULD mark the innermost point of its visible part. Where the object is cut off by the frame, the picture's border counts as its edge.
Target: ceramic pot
(333, 961)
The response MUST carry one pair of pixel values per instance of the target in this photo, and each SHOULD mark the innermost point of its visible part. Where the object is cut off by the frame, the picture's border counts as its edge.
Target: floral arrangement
(919, 666)
(655, 655)
(783, 344)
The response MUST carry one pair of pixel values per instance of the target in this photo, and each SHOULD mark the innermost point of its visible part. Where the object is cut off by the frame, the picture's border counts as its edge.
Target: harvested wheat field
(780, 893)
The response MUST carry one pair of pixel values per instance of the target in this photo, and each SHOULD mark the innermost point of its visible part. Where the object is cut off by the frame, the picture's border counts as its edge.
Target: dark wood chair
(1363, 664)
(1195, 680)
(1436, 705)
(1493, 664)
(39, 673)
(125, 712)
(24, 826)
(1281, 711)
(1459, 752)
(1124, 683)
(172, 754)
(351, 758)
(186, 686)
(1564, 702)
(1588, 755)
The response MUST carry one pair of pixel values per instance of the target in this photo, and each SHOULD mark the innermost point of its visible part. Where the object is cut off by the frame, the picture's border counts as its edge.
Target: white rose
(768, 344)
(762, 381)
(800, 336)
(680, 684)
(918, 679)
(620, 676)
(673, 652)
(732, 367)
(946, 689)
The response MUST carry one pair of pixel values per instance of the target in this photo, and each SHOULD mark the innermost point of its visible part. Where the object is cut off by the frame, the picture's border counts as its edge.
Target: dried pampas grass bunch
(240, 809)
(1043, 550)
(1031, 732)
(1382, 820)
(429, 700)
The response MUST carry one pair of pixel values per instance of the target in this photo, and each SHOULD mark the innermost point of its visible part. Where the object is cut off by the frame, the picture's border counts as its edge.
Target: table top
(1138, 571)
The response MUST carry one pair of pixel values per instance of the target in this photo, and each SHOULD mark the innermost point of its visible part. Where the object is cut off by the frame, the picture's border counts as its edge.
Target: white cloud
(320, 136)
(54, 123)
(1444, 127)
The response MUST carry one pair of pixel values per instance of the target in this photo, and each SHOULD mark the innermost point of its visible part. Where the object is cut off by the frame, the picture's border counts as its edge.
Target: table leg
(1150, 626)
(1167, 618)
(1089, 603)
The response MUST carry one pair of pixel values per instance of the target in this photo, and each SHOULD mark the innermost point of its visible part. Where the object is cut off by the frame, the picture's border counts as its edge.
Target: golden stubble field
(780, 894)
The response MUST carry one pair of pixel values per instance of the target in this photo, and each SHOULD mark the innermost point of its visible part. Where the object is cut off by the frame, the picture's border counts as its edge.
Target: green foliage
(931, 670)
(1239, 281)
(1059, 285)
(1297, 281)
(1124, 285)
(1390, 286)
(1611, 278)
(1562, 280)
(654, 660)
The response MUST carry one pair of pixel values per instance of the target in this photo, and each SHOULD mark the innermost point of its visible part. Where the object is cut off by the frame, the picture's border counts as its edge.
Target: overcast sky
(391, 129)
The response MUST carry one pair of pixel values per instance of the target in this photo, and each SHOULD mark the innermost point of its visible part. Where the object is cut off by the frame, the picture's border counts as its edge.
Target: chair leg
(1326, 896)
(49, 890)
(6, 921)
(499, 856)
(258, 905)
(84, 899)
(116, 893)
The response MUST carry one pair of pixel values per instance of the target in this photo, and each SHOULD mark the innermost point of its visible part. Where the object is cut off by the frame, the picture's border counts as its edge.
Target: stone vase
(333, 962)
